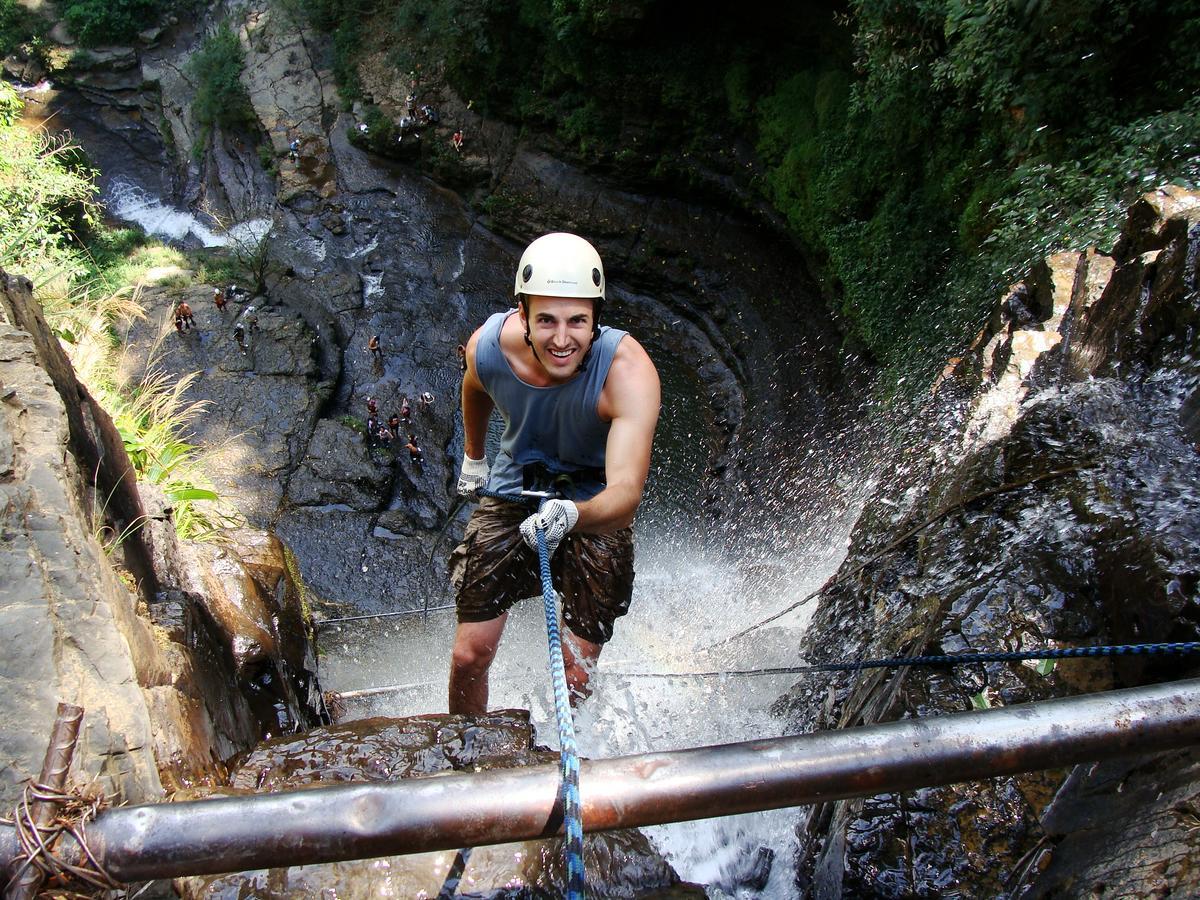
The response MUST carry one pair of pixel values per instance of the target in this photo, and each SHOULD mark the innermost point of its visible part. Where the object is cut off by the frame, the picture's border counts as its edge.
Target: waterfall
(131, 203)
(690, 593)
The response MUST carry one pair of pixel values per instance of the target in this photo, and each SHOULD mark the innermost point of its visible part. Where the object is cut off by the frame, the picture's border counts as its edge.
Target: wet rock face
(619, 864)
(1062, 512)
(262, 395)
(361, 247)
(142, 654)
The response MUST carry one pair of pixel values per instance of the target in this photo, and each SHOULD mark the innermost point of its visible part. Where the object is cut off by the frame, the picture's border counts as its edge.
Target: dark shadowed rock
(339, 469)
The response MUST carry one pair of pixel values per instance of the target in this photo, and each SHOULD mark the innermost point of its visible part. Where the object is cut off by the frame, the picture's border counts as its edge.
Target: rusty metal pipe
(464, 810)
(57, 762)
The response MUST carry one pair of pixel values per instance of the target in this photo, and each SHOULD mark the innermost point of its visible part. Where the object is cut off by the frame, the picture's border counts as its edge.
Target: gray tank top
(548, 431)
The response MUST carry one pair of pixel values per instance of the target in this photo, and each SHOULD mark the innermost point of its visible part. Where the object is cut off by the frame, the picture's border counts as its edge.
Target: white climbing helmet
(560, 265)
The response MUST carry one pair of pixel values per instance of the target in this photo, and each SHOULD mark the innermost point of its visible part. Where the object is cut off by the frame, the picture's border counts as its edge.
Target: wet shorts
(493, 568)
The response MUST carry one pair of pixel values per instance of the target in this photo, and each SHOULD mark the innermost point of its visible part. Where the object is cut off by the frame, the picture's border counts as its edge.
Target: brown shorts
(493, 568)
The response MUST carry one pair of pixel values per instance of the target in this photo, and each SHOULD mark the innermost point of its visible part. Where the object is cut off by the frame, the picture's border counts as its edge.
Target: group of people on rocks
(185, 319)
(387, 434)
(409, 126)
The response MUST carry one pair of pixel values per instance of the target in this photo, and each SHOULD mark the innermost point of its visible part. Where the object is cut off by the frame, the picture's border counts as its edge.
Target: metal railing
(365, 820)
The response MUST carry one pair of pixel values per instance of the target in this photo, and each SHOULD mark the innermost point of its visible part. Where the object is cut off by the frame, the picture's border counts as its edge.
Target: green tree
(96, 22)
(221, 99)
(46, 199)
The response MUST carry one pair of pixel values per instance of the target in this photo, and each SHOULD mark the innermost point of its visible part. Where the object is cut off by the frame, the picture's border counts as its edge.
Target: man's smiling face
(560, 329)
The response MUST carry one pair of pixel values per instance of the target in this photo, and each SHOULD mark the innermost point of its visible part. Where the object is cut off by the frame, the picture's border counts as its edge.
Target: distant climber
(394, 425)
(239, 335)
(184, 312)
(456, 141)
(375, 349)
(415, 456)
(461, 352)
(219, 299)
(405, 409)
(425, 401)
(372, 406)
(294, 150)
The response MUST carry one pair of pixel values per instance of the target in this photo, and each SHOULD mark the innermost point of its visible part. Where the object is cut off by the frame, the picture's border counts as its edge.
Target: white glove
(473, 476)
(556, 518)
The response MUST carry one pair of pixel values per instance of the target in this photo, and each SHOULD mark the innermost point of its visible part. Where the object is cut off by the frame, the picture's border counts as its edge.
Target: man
(580, 403)
(415, 455)
(184, 312)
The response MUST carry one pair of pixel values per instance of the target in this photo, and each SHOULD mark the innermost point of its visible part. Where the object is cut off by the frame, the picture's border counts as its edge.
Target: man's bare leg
(475, 646)
(579, 659)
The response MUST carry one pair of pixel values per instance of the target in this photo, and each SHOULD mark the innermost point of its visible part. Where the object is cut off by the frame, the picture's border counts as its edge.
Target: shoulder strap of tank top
(489, 358)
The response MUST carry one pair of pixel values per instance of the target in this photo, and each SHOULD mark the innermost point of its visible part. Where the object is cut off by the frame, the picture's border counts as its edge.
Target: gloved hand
(556, 518)
(473, 476)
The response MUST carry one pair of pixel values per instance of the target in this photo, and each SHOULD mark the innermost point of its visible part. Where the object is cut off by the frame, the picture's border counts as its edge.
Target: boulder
(103, 606)
(618, 864)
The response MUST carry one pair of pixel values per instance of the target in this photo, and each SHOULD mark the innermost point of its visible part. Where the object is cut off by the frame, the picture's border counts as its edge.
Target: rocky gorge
(1078, 400)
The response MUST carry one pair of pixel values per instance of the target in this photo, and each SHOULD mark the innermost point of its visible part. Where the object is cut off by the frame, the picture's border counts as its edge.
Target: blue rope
(1014, 656)
(955, 659)
(568, 752)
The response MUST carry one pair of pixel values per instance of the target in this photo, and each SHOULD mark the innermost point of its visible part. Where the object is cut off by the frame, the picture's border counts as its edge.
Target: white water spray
(132, 203)
(686, 598)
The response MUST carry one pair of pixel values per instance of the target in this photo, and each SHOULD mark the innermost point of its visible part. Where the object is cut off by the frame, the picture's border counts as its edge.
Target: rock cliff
(162, 644)
(1056, 508)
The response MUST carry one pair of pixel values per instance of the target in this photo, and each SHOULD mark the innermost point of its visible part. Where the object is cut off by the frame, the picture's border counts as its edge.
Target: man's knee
(472, 655)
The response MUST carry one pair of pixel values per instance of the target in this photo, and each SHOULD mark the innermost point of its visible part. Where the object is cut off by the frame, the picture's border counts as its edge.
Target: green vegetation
(221, 98)
(46, 199)
(96, 22)
(976, 137)
(922, 151)
(84, 277)
(18, 25)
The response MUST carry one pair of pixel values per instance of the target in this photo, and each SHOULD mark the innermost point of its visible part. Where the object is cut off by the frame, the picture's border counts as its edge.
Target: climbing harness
(568, 751)
(946, 659)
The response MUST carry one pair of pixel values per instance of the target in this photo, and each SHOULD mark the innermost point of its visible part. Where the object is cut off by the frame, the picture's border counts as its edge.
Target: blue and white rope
(568, 752)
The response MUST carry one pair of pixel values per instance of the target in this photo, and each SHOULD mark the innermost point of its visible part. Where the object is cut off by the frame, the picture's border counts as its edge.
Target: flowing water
(700, 580)
(690, 594)
(131, 203)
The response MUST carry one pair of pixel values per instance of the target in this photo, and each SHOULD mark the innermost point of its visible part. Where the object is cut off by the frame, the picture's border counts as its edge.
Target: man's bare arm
(631, 398)
(476, 405)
